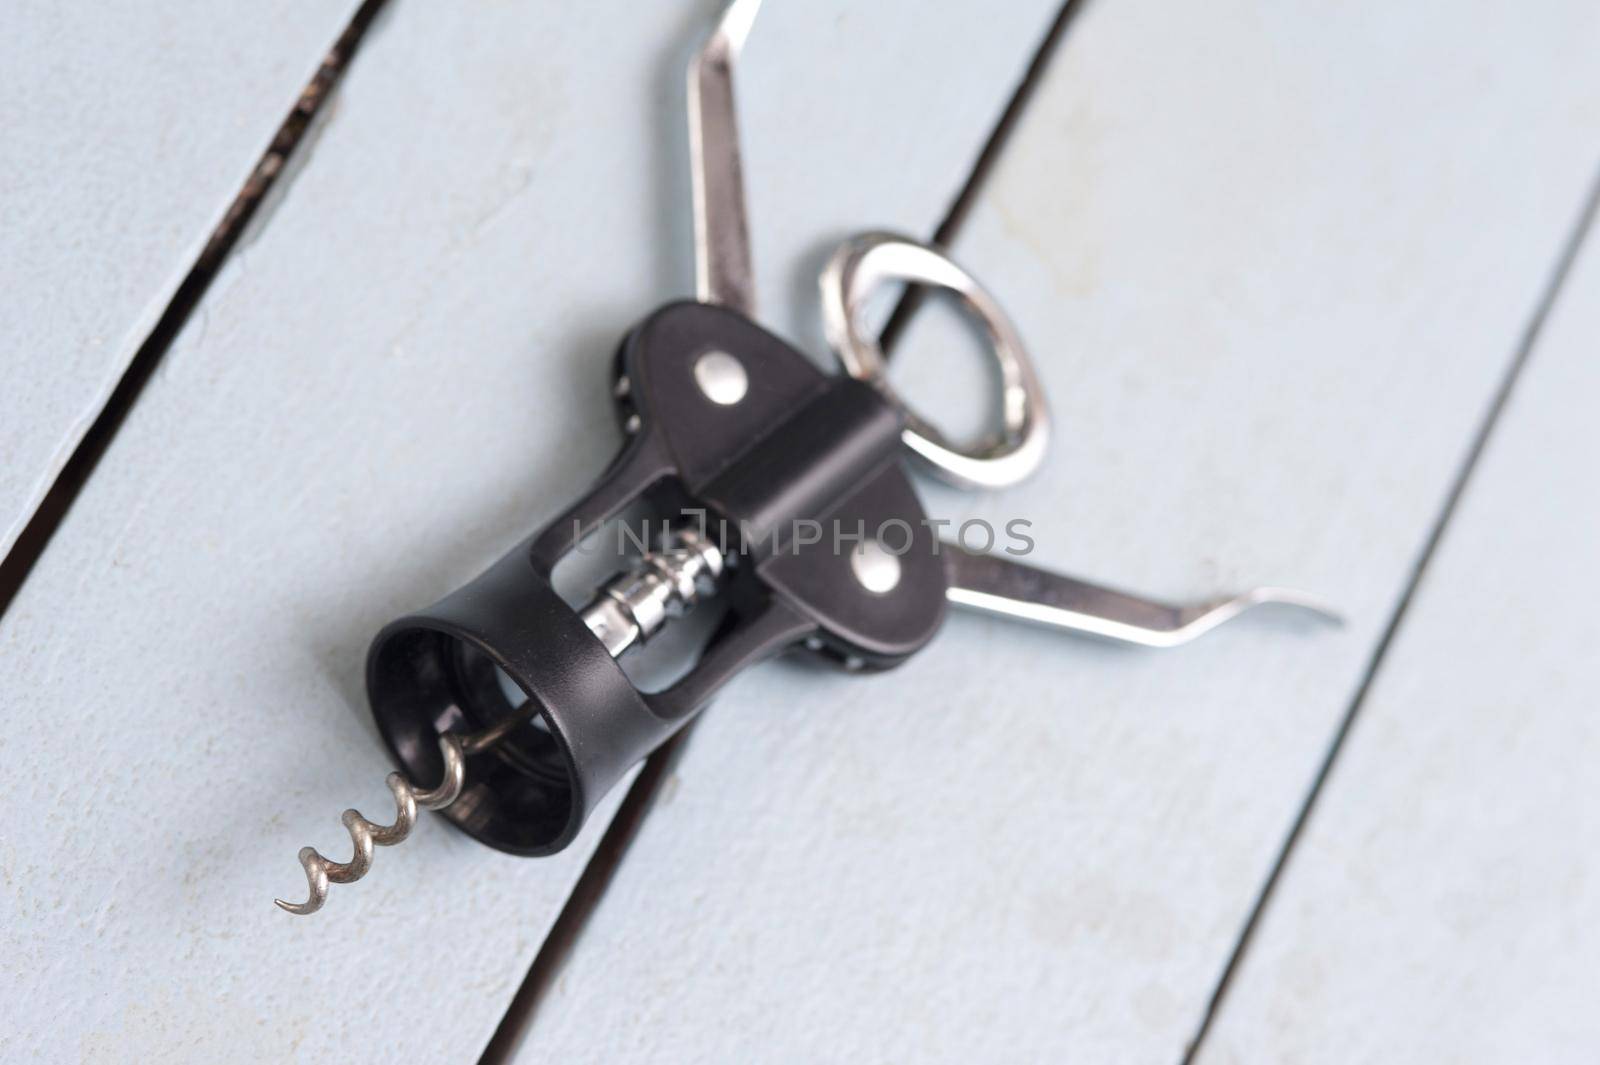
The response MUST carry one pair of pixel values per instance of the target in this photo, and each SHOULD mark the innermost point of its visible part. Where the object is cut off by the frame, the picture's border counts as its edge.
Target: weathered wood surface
(1274, 260)
(128, 129)
(401, 374)
(1440, 906)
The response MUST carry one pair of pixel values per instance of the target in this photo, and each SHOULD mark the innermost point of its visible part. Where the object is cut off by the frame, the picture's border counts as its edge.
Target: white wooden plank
(401, 375)
(1274, 260)
(1440, 905)
(128, 130)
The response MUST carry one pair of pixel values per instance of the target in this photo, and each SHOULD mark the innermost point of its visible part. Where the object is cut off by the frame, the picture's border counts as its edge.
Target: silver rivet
(632, 425)
(721, 377)
(875, 567)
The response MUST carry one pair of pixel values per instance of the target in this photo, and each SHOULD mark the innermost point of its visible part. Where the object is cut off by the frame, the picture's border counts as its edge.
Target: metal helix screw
(320, 872)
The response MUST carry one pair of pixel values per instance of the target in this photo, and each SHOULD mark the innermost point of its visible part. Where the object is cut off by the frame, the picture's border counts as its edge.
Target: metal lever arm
(723, 271)
(998, 585)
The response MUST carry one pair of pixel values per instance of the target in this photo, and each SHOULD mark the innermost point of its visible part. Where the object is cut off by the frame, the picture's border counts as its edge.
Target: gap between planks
(75, 473)
(1469, 463)
(597, 875)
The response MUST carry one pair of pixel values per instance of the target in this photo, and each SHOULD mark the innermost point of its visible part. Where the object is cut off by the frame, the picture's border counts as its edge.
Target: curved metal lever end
(733, 28)
(1201, 618)
(1002, 586)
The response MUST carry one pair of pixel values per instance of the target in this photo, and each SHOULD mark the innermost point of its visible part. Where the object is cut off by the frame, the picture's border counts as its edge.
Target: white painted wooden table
(128, 128)
(1441, 905)
(1275, 263)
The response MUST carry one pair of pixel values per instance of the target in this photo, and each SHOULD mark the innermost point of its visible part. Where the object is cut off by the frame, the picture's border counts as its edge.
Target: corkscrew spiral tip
(320, 871)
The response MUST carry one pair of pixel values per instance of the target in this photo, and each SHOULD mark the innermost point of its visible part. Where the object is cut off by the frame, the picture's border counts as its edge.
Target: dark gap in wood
(42, 525)
(1458, 485)
(961, 206)
(584, 898)
(624, 827)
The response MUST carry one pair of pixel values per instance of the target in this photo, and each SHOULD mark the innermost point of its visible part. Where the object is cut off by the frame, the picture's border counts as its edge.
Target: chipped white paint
(1440, 906)
(128, 129)
(1272, 260)
(403, 373)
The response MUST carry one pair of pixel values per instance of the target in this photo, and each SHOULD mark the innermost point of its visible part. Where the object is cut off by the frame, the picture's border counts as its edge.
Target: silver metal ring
(866, 261)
